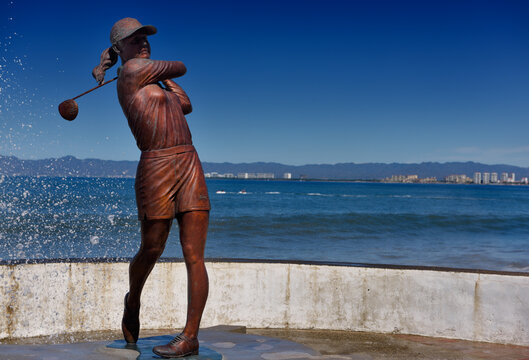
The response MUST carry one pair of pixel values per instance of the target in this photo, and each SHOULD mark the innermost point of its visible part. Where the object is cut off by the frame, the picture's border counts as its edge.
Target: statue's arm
(170, 85)
(146, 71)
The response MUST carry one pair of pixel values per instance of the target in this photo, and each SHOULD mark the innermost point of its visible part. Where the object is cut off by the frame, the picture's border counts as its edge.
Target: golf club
(69, 109)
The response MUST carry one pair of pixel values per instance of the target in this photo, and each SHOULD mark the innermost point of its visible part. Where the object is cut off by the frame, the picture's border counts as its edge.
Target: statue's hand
(108, 58)
(99, 74)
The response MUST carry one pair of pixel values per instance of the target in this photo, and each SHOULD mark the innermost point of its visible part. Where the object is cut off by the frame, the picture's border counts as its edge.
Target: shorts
(170, 181)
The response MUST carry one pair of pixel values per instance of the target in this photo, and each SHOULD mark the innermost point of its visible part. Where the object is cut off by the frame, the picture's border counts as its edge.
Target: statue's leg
(193, 230)
(154, 235)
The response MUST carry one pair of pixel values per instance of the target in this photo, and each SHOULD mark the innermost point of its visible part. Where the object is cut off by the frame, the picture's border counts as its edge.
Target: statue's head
(127, 27)
(129, 39)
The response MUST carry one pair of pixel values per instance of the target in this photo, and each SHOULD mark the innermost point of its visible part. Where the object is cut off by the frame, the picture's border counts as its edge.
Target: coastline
(110, 260)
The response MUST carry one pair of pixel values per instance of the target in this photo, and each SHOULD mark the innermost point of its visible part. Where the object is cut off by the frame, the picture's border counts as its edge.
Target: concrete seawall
(52, 298)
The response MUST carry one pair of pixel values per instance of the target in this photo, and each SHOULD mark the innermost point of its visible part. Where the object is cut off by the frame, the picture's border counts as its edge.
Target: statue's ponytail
(108, 58)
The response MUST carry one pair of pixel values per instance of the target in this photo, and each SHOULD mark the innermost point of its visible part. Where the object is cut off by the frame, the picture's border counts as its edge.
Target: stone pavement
(237, 343)
(371, 346)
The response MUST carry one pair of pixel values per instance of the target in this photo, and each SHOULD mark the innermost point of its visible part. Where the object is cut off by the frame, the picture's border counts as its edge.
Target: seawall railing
(58, 296)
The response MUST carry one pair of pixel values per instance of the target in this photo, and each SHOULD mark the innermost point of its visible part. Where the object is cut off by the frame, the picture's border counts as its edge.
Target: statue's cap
(128, 26)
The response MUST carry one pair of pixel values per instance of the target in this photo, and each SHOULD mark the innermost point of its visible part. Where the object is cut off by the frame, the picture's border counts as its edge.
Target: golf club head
(68, 109)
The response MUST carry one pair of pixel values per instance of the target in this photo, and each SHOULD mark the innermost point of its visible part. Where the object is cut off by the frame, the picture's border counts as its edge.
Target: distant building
(428, 180)
(255, 176)
(403, 178)
(494, 177)
(524, 180)
(504, 177)
(486, 178)
(287, 176)
(215, 174)
(457, 179)
(477, 178)
(396, 178)
(512, 178)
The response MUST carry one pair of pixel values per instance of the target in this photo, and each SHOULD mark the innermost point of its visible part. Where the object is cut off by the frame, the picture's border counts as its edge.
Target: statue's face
(135, 46)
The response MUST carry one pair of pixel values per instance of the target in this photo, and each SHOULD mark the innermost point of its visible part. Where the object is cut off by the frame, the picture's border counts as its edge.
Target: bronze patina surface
(169, 181)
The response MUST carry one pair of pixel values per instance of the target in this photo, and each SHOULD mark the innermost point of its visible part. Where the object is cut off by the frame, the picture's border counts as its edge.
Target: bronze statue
(169, 180)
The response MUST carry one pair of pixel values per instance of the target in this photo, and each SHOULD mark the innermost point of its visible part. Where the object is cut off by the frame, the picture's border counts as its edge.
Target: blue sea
(463, 226)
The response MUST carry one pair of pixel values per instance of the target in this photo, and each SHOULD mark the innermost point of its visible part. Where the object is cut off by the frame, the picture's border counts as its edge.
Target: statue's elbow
(183, 69)
(187, 109)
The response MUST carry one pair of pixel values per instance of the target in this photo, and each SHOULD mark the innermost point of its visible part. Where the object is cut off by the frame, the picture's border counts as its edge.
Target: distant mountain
(70, 166)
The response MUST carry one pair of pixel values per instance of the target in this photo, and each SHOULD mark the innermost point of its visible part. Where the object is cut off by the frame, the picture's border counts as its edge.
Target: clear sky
(296, 82)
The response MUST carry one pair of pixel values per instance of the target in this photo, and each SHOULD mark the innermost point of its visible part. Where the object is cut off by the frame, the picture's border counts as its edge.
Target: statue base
(143, 349)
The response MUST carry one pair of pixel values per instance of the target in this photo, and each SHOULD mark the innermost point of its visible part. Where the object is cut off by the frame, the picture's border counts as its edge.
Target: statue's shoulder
(134, 65)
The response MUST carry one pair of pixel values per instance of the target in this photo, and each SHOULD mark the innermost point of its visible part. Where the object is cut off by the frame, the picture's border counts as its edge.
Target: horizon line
(283, 164)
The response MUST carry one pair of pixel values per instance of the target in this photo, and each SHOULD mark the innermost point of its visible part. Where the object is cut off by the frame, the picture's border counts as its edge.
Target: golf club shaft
(98, 86)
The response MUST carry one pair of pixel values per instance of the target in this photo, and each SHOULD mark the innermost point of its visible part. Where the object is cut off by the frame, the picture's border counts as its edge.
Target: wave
(380, 223)
(75, 217)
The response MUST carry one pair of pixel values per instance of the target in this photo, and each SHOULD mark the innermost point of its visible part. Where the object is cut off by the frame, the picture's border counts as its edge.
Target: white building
(255, 176)
(486, 178)
(264, 176)
(477, 178)
(212, 174)
(215, 174)
(458, 179)
(403, 178)
(494, 177)
(504, 177)
(287, 176)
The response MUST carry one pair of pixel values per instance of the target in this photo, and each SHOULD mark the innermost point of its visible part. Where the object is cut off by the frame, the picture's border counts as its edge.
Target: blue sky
(296, 82)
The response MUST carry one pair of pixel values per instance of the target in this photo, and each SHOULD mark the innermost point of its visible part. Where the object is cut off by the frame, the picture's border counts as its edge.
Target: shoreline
(127, 260)
(359, 181)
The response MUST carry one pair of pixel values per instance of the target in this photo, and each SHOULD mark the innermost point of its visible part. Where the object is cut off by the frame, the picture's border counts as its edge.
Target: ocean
(462, 226)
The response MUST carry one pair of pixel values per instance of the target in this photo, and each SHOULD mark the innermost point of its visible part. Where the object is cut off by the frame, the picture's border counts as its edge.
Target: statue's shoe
(130, 324)
(180, 346)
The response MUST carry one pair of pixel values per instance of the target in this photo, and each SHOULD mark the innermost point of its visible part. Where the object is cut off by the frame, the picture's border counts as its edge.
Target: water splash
(23, 104)
(94, 240)
(67, 218)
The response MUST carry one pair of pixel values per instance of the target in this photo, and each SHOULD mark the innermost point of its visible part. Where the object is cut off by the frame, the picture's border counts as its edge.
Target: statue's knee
(152, 254)
(192, 259)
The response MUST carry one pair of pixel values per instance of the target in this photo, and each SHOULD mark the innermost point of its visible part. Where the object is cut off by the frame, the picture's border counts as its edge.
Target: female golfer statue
(169, 180)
